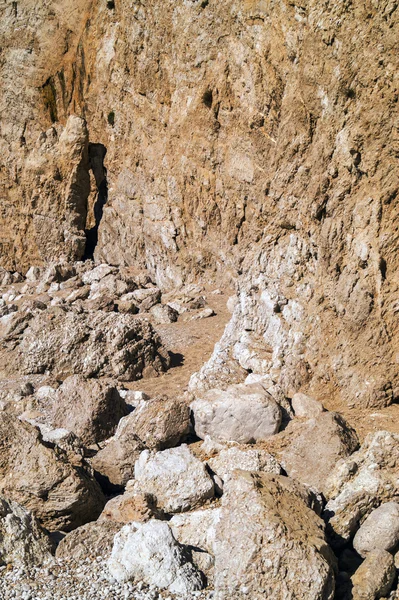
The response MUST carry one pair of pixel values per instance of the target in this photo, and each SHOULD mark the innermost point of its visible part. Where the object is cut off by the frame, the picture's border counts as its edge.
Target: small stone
(204, 314)
(162, 313)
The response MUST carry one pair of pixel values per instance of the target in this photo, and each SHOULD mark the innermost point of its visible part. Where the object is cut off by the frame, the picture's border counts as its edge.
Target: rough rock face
(89, 541)
(242, 413)
(150, 552)
(279, 546)
(256, 148)
(314, 447)
(177, 479)
(91, 344)
(41, 479)
(158, 423)
(22, 540)
(374, 577)
(362, 482)
(91, 409)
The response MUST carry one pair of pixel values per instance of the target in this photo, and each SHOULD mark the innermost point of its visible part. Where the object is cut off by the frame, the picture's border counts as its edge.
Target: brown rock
(158, 423)
(116, 460)
(375, 576)
(312, 448)
(132, 505)
(66, 343)
(88, 541)
(269, 543)
(42, 480)
(89, 408)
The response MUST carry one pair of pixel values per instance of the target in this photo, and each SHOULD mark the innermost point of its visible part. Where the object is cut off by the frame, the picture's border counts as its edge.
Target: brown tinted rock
(67, 343)
(158, 423)
(269, 543)
(116, 460)
(88, 541)
(22, 540)
(313, 448)
(374, 577)
(42, 480)
(305, 406)
(132, 505)
(89, 408)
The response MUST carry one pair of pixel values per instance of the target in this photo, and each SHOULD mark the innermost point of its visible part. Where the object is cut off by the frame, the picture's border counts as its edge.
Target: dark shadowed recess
(97, 154)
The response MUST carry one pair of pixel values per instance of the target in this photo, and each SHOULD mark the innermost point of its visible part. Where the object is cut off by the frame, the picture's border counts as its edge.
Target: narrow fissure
(97, 154)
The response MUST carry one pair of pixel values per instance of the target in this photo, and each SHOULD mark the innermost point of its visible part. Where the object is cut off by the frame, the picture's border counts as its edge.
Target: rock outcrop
(362, 482)
(256, 153)
(66, 342)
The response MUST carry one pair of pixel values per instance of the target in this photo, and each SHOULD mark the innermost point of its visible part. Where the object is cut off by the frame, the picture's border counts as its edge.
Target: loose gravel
(71, 580)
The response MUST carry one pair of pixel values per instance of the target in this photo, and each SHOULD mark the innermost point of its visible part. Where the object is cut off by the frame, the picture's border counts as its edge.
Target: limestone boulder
(380, 530)
(246, 459)
(197, 528)
(89, 541)
(270, 543)
(40, 477)
(305, 406)
(313, 447)
(177, 479)
(64, 342)
(132, 505)
(241, 413)
(375, 576)
(89, 408)
(149, 552)
(115, 461)
(22, 539)
(158, 423)
(360, 483)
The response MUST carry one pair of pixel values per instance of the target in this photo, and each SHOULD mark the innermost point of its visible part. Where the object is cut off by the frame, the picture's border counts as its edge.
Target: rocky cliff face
(253, 141)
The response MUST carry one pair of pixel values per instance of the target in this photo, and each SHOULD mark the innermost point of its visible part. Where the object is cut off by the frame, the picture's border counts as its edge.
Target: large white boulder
(149, 552)
(177, 479)
(242, 413)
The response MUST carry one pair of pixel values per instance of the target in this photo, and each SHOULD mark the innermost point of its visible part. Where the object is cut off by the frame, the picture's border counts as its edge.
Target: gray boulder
(380, 531)
(242, 413)
(177, 479)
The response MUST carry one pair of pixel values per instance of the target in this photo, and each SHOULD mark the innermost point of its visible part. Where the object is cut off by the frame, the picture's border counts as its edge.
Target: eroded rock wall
(254, 141)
